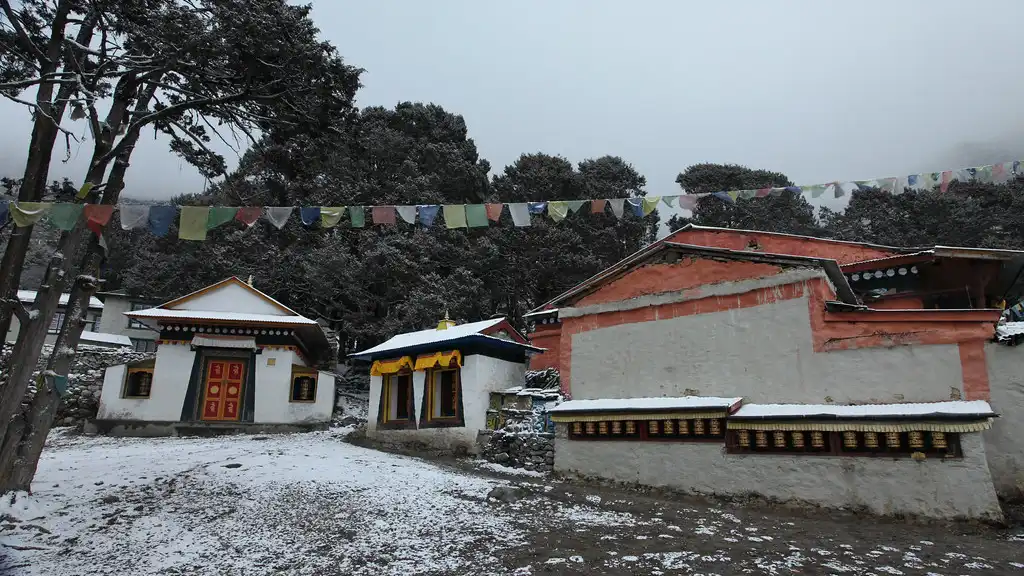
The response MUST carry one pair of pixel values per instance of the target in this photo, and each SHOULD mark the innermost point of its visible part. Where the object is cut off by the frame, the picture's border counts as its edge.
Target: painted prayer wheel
(683, 427)
(577, 427)
(698, 427)
(818, 439)
(591, 429)
(616, 427)
(939, 440)
(871, 439)
(892, 439)
(779, 438)
(798, 439)
(849, 439)
(669, 426)
(602, 428)
(145, 384)
(916, 439)
(306, 389)
(761, 438)
(716, 427)
(652, 426)
(630, 427)
(743, 438)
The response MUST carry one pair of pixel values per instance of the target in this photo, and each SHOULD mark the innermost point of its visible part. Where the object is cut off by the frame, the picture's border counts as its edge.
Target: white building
(27, 297)
(433, 387)
(228, 357)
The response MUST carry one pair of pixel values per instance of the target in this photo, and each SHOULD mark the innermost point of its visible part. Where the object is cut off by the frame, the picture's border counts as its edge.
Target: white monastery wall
(230, 298)
(887, 486)
(272, 385)
(1003, 441)
(763, 353)
(170, 383)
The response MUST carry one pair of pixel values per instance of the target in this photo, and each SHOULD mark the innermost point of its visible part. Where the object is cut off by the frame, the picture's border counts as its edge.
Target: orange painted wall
(842, 252)
(547, 336)
(687, 273)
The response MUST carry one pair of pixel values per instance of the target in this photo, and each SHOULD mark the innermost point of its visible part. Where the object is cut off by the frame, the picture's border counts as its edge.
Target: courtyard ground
(314, 504)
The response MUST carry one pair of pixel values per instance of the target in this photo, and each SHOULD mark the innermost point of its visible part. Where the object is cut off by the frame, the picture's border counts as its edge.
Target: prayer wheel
(630, 427)
(652, 426)
(616, 427)
(780, 439)
(716, 427)
(939, 440)
(698, 427)
(761, 438)
(602, 428)
(683, 427)
(669, 426)
(892, 439)
(871, 439)
(798, 439)
(849, 439)
(577, 428)
(818, 439)
(743, 438)
(916, 439)
(591, 429)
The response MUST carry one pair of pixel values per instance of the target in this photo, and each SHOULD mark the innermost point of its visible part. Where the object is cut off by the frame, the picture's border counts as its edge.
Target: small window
(132, 322)
(442, 398)
(303, 385)
(55, 324)
(396, 401)
(142, 345)
(139, 383)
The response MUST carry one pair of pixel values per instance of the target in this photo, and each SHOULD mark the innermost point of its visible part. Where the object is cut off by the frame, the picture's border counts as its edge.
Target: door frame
(243, 381)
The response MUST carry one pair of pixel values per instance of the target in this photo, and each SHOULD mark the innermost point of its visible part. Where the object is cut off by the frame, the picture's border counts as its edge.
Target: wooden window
(139, 383)
(666, 430)
(56, 323)
(849, 443)
(136, 324)
(442, 398)
(396, 401)
(303, 387)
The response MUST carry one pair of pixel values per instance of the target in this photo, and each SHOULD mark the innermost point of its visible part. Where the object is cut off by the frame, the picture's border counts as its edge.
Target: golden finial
(445, 322)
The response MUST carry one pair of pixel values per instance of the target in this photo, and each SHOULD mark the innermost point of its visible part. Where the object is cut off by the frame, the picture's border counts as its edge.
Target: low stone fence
(532, 451)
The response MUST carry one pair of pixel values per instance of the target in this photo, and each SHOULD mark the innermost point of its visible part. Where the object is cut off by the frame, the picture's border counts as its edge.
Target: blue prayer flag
(724, 196)
(537, 207)
(636, 205)
(160, 219)
(310, 215)
(428, 213)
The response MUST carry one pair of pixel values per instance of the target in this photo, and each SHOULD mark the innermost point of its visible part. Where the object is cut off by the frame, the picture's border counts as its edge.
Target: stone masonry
(532, 451)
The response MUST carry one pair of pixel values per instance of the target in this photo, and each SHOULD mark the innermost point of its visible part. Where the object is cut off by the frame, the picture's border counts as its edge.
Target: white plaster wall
(887, 486)
(273, 391)
(480, 376)
(763, 353)
(231, 298)
(170, 383)
(1003, 442)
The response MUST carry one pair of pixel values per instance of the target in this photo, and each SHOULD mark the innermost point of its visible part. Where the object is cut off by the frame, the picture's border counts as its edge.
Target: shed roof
(621, 404)
(423, 340)
(928, 410)
(29, 296)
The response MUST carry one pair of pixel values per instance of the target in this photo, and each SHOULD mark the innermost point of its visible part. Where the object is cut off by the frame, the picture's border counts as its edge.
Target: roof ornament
(445, 322)
(249, 282)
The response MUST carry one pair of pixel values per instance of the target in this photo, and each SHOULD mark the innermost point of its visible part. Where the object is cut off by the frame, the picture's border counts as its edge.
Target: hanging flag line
(195, 221)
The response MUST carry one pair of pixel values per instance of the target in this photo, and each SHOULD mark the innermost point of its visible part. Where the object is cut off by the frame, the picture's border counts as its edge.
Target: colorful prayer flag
(65, 216)
(575, 205)
(688, 202)
(97, 216)
(455, 215)
(793, 189)
(476, 215)
(26, 214)
(537, 207)
(357, 216)
(558, 210)
(746, 194)
(724, 197)
(636, 206)
(815, 191)
(310, 215)
(617, 206)
(946, 177)
(248, 215)
(598, 206)
(984, 174)
(407, 213)
(84, 191)
(494, 211)
(133, 215)
(192, 224)
(670, 201)
(520, 214)
(220, 215)
(160, 219)
(330, 216)
(278, 215)
(428, 213)
(383, 215)
(650, 203)
(762, 192)
(999, 172)
(912, 181)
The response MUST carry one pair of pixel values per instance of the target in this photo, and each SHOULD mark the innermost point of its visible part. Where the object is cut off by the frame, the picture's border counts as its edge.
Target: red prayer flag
(998, 171)
(762, 192)
(248, 215)
(97, 216)
(383, 214)
(494, 211)
(597, 206)
(946, 177)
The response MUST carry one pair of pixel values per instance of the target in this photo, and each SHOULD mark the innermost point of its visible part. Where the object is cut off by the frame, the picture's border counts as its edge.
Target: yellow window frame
(430, 385)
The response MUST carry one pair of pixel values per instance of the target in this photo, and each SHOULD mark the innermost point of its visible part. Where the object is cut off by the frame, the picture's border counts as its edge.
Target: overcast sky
(821, 91)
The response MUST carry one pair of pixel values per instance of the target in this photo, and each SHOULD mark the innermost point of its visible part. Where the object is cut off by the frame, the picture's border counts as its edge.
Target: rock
(506, 493)
(501, 457)
(110, 499)
(233, 465)
(100, 483)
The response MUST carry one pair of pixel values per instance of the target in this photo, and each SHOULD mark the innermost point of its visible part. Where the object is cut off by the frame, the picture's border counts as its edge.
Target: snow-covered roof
(29, 296)
(165, 314)
(537, 392)
(431, 336)
(678, 403)
(1008, 330)
(961, 408)
(105, 338)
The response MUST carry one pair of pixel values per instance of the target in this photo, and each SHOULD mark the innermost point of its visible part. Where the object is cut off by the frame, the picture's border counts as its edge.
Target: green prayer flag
(60, 384)
(575, 205)
(558, 210)
(192, 225)
(220, 215)
(815, 191)
(84, 190)
(65, 216)
(331, 215)
(357, 215)
(455, 215)
(650, 203)
(476, 215)
(26, 214)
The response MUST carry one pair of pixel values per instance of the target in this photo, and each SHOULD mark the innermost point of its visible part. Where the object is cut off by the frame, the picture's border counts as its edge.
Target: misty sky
(821, 91)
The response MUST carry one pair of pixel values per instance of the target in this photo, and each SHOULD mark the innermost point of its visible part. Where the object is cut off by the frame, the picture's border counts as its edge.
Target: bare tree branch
(27, 42)
(18, 309)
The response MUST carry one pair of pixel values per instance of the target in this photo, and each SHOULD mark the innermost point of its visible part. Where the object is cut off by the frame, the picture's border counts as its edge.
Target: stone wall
(85, 379)
(521, 450)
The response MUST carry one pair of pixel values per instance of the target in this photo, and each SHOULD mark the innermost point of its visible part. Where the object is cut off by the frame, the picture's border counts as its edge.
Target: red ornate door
(222, 389)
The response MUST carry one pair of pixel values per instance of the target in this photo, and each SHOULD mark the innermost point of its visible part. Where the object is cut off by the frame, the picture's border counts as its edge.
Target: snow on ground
(313, 504)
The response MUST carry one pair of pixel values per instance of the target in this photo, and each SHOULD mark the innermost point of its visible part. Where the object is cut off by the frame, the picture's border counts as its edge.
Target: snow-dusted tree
(250, 70)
